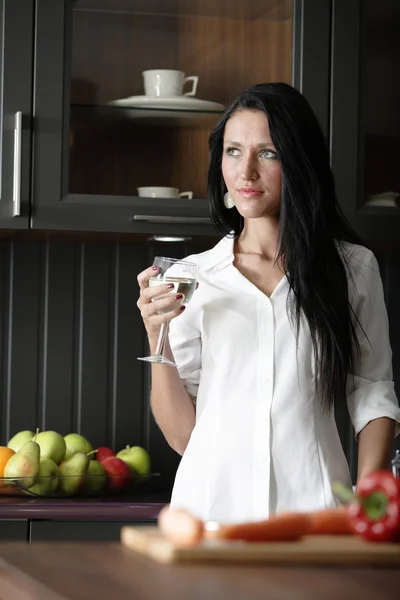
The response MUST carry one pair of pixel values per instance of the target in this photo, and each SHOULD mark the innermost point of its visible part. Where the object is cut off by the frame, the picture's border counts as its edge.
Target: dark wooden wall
(389, 262)
(70, 334)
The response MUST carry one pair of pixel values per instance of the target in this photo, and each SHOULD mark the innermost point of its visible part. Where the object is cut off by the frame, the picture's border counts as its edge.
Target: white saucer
(382, 202)
(384, 199)
(184, 103)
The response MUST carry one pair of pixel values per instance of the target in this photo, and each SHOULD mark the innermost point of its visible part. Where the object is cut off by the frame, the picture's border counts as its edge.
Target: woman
(288, 321)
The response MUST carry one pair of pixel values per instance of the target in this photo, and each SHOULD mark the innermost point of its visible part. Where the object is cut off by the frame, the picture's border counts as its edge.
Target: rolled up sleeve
(371, 392)
(185, 342)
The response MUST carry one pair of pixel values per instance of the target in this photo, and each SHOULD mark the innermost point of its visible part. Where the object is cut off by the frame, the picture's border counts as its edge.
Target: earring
(228, 202)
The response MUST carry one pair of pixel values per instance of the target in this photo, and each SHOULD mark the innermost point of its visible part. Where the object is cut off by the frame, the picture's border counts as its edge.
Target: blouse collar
(221, 255)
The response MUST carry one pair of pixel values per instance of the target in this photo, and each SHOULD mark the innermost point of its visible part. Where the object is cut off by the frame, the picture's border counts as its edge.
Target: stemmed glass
(183, 275)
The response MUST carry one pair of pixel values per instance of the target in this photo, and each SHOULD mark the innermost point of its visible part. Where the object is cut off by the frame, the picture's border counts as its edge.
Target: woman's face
(250, 167)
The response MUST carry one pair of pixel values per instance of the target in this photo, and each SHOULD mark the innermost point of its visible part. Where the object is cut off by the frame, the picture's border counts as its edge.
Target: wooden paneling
(114, 154)
(70, 335)
(110, 51)
(56, 368)
(390, 272)
(20, 381)
(389, 263)
(127, 341)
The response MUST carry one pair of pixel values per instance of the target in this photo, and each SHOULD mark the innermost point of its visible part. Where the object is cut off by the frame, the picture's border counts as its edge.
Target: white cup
(164, 83)
(163, 192)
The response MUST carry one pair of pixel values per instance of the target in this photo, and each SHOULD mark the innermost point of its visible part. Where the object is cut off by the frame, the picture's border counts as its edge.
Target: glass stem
(162, 339)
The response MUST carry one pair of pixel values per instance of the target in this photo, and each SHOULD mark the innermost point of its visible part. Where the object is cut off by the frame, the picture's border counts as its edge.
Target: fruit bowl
(88, 486)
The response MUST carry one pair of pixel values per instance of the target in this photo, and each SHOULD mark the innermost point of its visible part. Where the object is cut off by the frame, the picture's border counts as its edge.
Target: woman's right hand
(172, 303)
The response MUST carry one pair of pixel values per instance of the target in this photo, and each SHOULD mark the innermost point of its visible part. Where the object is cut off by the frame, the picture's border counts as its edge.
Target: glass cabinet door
(365, 127)
(380, 102)
(122, 138)
(100, 135)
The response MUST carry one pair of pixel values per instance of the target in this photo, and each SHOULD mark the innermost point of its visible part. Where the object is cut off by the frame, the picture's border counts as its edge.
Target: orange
(5, 454)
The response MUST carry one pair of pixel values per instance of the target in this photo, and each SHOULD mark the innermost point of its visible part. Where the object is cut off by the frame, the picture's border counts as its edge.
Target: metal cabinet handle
(170, 219)
(17, 164)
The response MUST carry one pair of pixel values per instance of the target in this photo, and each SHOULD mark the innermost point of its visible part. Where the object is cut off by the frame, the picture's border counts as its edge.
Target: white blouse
(262, 443)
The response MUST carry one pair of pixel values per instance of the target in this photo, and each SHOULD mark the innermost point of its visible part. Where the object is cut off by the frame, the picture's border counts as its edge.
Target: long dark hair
(312, 229)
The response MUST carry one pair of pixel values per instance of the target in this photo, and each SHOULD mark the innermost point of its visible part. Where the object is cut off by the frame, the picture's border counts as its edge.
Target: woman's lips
(250, 192)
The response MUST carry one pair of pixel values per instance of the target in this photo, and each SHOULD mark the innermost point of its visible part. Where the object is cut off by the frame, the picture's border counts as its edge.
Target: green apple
(20, 439)
(47, 480)
(95, 479)
(137, 458)
(75, 442)
(52, 445)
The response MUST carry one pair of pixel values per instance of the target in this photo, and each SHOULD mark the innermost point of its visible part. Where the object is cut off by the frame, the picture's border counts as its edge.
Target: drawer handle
(17, 164)
(170, 219)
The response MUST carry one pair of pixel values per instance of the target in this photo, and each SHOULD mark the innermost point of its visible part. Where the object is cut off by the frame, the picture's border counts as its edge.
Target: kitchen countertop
(77, 571)
(135, 507)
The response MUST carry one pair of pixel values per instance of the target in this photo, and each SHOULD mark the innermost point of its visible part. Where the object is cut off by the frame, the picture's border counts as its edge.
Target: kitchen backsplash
(70, 335)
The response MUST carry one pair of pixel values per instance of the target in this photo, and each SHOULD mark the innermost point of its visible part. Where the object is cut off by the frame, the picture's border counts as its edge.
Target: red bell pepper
(374, 512)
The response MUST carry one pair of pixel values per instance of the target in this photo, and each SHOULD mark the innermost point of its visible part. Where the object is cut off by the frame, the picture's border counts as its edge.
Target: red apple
(118, 473)
(103, 452)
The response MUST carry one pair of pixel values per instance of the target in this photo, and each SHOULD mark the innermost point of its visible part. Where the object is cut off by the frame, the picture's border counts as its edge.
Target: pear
(19, 440)
(72, 473)
(24, 465)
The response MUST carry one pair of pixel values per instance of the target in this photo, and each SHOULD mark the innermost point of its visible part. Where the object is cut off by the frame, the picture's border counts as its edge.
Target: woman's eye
(268, 154)
(230, 151)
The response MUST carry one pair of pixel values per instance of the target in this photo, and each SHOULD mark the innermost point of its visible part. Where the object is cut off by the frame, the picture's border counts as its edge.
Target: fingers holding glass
(144, 276)
(168, 289)
(163, 308)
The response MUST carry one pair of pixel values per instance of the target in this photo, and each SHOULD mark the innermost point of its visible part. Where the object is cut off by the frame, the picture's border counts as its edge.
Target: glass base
(158, 359)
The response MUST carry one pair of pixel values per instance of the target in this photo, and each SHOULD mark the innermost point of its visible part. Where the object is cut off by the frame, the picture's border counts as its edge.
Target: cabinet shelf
(273, 10)
(370, 210)
(152, 116)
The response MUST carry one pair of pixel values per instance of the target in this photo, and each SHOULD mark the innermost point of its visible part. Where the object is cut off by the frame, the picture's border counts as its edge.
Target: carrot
(331, 521)
(180, 527)
(183, 529)
(280, 528)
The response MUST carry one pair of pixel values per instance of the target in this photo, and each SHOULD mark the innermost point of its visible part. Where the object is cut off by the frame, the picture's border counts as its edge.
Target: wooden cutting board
(310, 550)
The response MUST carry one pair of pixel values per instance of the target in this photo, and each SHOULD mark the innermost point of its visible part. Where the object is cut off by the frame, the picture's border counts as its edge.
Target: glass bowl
(73, 486)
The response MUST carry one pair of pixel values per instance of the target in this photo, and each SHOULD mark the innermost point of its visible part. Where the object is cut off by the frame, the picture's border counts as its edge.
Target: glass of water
(183, 275)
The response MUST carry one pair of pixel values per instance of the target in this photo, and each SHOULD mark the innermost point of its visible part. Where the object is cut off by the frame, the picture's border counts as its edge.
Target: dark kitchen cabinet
(71, 160)
(16, 43)
(79, 531)
(365, 124)
(90, 157)
(14, 531)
